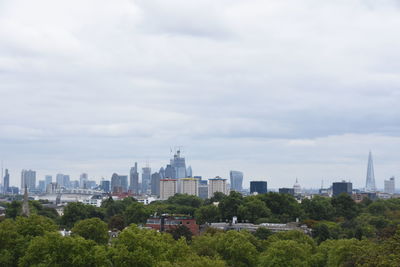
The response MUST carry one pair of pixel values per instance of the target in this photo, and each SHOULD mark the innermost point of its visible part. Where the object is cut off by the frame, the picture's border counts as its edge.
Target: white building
(217, 184)
(297, 188)
(190, 186)
(167, 188)
(389, 186)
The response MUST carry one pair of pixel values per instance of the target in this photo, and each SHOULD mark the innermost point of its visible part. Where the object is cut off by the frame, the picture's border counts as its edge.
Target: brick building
(172, 221)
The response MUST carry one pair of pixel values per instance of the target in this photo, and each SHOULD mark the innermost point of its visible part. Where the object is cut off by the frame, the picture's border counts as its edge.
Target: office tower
(146, 179)
(28, 178)
(105, 185)
(217, 184)
(155, 184)
(167, 188)
(48, 179)
(297, 188)
(389, 186)
(190, 186)
(170, 172)
(83, 178)
(67, 183)
(134, 179)
(370, 181)
(342, 187)
(236, 180)
(258, 187)
(289, 191)
(6, 182)
(51, 188)
(25, 203)
(75, 184)
(162, 173)
(189, 172)
(203, 189)
(42, 186)
(60, 180)
(119, 183)
(178, 163)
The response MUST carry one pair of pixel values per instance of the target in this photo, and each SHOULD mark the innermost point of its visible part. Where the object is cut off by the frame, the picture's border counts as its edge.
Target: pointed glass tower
(370, 181)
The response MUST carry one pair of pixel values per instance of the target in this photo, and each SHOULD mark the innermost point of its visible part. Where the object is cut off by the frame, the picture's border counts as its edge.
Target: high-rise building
(105, 185)
(28, 178)
(203, 189)
(155, 184)
(342, 187)
(370, 181)
(178, 163)
(134, 179)
(189, 172)
(83, 178)
(259, 187)
(63, 180)
(190, 186)
(289, 191)
(389, 186)
(48, 179)
(42, 186)
(162, 173)
(169, 172)
(6, 182)
(236, 180)
(217, 184)
(119, 183)
(167, 188)
(146, 179)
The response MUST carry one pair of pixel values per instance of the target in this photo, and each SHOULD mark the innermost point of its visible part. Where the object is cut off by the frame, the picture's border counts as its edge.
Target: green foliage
(181, 231)
(207, 214)
(318, 208)
(262, 233)
(253, 209)
(54, 250)
(185, 200)
(136, 213)
(283, 206)
(229, 205)
(116, 222)
(77, 211)
(286, 253)
(92, 229)
(344, 206)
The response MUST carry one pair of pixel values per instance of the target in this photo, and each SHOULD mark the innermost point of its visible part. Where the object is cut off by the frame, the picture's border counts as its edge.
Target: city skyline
(276, 89)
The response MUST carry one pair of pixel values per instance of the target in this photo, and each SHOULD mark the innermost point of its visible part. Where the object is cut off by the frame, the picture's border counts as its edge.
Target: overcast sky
(277, 89)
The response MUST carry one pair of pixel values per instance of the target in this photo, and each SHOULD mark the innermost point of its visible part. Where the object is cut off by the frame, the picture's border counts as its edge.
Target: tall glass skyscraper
(236, 180)
(134, 179)
(146, 179)
(178, 163)
(370, 181)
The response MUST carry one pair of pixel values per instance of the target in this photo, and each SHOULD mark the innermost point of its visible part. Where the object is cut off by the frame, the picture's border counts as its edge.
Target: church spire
(25, 204)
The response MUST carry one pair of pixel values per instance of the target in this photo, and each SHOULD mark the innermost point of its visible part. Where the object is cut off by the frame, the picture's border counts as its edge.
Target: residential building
(190, 186)
(258, 187)
(217, 184)
(169, 222)
(167, 188)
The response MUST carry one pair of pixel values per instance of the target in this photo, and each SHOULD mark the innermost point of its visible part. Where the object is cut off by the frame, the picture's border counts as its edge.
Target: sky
(278, 89)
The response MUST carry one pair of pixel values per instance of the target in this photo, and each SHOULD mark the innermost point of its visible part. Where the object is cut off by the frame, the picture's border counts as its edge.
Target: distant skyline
(278, 90)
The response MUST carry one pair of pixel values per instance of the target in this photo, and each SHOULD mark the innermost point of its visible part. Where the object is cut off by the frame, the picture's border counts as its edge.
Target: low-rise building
(168, 222)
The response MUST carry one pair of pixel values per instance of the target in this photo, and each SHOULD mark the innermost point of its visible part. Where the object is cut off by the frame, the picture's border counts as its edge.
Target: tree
(209, 213)
(181, 231)
(34, 225)
(77, 211)
(253, 209)
(136, 213)
(286, 253)
(54, 250)
(116, 222)
(262, 233)
(344, 206)
(12, 243)
(321, 232)
(284, 206)
(185, 200)
(92, 229)
(318, 208)
(229, 206)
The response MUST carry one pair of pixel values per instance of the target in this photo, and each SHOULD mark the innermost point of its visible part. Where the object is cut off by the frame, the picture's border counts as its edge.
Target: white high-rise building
(190, 186)
(389, 186)
(217, 184)
(167, 188)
